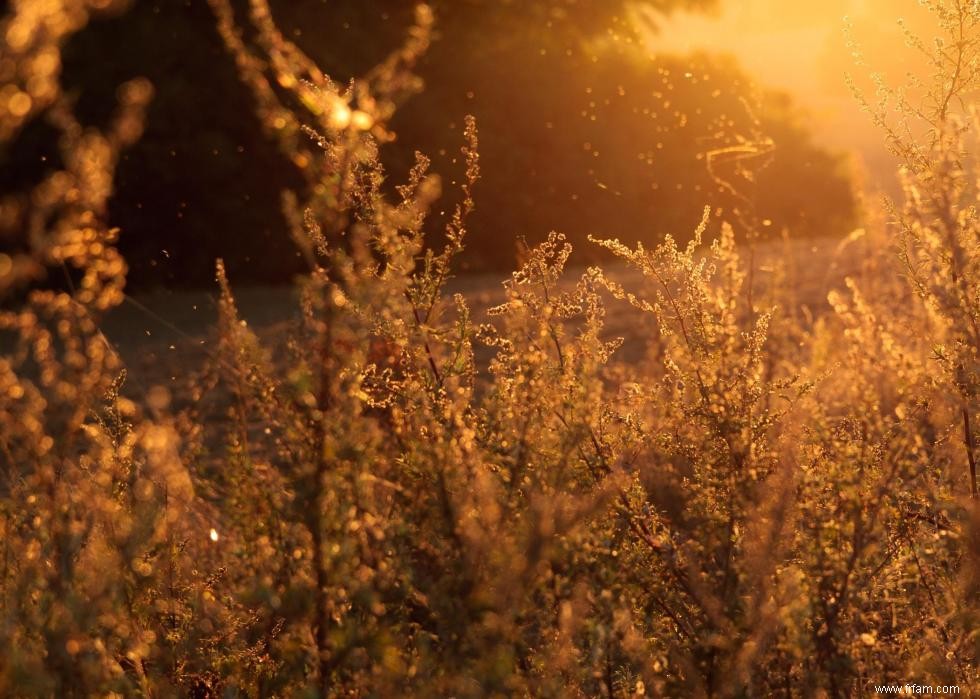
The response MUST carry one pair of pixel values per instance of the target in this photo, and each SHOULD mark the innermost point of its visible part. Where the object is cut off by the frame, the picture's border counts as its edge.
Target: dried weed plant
(769, 505)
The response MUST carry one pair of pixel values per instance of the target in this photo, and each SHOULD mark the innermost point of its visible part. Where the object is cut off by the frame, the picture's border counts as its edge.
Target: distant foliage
(551, 82)
(767, 504)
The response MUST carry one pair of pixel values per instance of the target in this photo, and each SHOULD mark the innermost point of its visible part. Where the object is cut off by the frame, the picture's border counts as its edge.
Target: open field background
(171, 330)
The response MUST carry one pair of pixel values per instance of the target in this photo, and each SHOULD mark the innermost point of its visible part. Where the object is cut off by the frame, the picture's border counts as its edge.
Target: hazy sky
(799, 46)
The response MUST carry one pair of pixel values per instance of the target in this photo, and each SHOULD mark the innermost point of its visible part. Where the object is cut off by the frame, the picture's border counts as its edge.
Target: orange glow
(803, 49)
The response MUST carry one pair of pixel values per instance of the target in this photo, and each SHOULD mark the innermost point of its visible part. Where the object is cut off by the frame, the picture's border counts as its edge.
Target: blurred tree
(582, 131)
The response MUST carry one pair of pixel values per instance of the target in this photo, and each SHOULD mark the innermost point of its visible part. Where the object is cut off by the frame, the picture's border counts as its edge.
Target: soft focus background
(596, 118)
(804, 49)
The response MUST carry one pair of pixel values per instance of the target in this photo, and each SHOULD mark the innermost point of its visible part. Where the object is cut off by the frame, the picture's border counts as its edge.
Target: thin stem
(970, 444)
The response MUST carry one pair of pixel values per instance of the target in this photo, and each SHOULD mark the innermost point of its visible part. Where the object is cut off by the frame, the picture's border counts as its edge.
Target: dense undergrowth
(770, 504)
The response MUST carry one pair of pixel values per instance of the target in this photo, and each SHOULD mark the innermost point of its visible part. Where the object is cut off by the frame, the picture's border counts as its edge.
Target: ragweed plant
(95, 502)
(705, 520)
(932, 136)
(296, 100)
(394, 497)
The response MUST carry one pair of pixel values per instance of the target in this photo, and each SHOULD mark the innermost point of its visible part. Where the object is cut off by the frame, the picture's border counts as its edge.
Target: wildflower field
(735, 461)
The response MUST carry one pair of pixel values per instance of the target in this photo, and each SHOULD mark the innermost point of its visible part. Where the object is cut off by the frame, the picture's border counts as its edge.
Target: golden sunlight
(806, 48)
